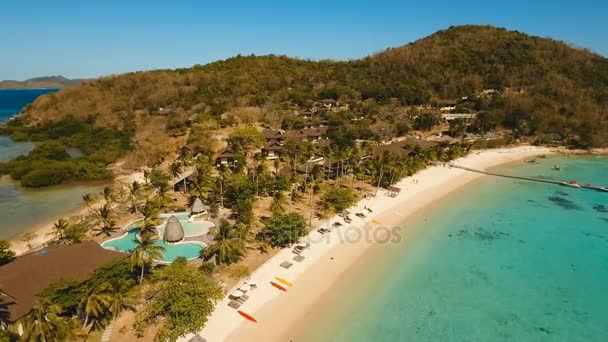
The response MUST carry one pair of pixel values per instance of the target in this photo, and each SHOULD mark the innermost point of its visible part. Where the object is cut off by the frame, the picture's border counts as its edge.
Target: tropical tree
(458, 127)
(163, 199)
(426, 121)
(28, 237)
(88, 200)
(6, 254)
(151, 215)
(93, 305)
(59, 228)
(4, 313)
(105, 219)
(134, 193)
(284, 229)
(145, 252)
(107, 194)
(121, 296)
(485, 122)
(184, 299)
(44, 323)
(228, 246)
(337, 199)
(176, 169)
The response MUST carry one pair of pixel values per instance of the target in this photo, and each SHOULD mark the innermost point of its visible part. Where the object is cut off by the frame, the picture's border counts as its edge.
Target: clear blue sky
(102, 37)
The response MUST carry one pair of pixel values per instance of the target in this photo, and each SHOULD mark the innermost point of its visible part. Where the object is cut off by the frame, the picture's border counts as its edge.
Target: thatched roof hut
(198, 207)
(174, 231)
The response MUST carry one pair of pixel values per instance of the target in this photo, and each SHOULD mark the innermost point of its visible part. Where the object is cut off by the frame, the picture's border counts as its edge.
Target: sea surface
(22, 209)
(499, 260)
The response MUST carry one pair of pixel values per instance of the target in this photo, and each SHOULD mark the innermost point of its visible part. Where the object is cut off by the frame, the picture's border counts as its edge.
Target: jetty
(530, 179)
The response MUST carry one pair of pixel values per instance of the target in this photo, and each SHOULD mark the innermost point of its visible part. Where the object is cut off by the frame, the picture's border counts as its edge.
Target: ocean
(22, 209)
(499, 260)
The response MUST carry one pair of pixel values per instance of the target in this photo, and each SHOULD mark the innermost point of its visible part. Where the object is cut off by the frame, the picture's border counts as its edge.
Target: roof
(227, 153)
(405, 147)
(309, 132)
(272, 134)
(272, 146)
(24, 278)
(174, 231)
(198, 206)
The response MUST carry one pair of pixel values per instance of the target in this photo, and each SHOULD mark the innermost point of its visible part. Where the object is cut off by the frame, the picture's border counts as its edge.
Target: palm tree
(28, 237)
(44, 323)
(228, 247)
(105, 219)
(162, 197)
(121, 298)
(145, 252)
(4, 313)
(176, 169)
(151, 216)
(107, 194)
(134, 192)
(59, 228)
(88, 200)
(278, 202)
(94, 302)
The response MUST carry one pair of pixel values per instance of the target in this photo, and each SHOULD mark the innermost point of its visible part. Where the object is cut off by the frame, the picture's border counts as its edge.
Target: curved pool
(126, 243)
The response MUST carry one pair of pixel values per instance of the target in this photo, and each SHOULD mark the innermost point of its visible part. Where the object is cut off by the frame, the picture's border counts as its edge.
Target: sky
(82, 39)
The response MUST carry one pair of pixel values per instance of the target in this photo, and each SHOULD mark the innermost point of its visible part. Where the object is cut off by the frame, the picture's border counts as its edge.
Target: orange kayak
(278, 286)
(288, 283)
(247, 316)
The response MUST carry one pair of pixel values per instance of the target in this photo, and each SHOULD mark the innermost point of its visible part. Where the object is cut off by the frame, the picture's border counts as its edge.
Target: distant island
(45, 82)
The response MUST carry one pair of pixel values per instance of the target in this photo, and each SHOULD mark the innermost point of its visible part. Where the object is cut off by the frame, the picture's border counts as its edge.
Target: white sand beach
(329, 255)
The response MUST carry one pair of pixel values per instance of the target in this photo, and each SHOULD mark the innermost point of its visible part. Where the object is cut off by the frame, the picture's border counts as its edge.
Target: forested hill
(546, 86)
(46, 82)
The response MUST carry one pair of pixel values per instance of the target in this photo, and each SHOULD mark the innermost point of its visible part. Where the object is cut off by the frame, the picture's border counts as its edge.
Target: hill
(546, 87)
(45, 82)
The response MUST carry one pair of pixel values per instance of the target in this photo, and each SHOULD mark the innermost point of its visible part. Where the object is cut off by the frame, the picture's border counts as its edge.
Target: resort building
(182, 184)
(272, 149)
(225, 158)
(452, 116)
(23, 279)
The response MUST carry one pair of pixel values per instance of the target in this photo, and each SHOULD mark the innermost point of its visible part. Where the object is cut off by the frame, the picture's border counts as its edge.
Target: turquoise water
(189, 250)
(502, 261)
(195, 228)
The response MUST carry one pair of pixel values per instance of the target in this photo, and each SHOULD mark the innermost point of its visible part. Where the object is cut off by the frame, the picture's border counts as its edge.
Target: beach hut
(198, 207)
(174, 231)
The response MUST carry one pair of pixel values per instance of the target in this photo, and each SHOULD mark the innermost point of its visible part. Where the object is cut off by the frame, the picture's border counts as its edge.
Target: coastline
(44, 229)
(332, 254)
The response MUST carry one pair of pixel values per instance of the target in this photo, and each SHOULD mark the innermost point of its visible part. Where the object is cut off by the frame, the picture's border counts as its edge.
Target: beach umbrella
(237, 294)
(245, 287)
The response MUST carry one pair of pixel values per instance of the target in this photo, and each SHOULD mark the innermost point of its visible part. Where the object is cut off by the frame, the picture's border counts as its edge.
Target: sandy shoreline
(44, 230)
(330, 255)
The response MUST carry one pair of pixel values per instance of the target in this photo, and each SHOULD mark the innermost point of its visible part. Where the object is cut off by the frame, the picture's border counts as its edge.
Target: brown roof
(405, 147)
(24, 278)
(272, 146)
(272, 134)
(227, 153)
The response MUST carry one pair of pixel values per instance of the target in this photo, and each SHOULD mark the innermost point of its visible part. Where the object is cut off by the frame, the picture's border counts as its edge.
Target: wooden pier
(530, 179)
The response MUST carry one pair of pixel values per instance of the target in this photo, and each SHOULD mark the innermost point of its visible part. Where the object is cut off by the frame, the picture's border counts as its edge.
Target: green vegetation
(337, 199)
(284, 229)
(50, 163)
(6, 254)
(183, 297)
(228, 247)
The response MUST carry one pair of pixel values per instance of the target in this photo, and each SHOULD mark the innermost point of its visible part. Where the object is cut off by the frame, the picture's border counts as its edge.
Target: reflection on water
(10, 149)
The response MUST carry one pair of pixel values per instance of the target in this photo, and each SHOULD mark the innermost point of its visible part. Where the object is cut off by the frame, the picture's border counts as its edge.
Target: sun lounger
(348, 219)
(242, 299)
(286, 264)
(299, 258)
(368, 209)
(337, 224)
(234, 304)
(361, 215)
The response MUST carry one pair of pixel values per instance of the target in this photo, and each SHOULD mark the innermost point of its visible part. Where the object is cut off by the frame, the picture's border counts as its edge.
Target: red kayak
(246, 316)
(278, 286)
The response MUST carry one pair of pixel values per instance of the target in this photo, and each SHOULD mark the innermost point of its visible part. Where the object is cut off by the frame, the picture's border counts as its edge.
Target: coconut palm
(59, 228)
(151, 215)
(162, 197)
(134, 193)
(145, 252)
(44, 323)
(105, 220)
(94, 303)
(88, 200)
(176, 169)
(121, 298)
(107, 194)
(228, 247)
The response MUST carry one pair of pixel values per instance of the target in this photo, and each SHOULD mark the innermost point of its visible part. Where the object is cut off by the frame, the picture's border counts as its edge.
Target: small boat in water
(572, 184)
(604, 188)
(556, 167)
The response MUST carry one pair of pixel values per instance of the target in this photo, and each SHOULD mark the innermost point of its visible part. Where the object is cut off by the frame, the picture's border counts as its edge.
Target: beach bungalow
(225, 158)
(272, 150)
(273, 135)
(198, 207)
(182, 184)
(23, 279)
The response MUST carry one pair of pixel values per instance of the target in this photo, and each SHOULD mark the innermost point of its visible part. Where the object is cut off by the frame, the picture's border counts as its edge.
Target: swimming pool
(191, 229)
(126, 243)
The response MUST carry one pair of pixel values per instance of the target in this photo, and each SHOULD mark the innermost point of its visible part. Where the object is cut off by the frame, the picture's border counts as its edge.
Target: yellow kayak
(288, 283)
(376, 222)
